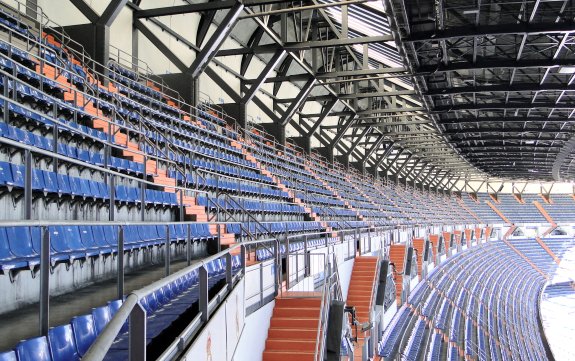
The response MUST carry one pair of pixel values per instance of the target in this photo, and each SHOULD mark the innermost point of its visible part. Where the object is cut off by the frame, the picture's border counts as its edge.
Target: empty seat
(101, 316)
(34, 349)
(62, 343)
(8, 356)
(84, 332)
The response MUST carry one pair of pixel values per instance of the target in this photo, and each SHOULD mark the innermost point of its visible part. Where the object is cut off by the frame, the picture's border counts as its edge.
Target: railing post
(120, 263)
(203, 297)
(112, 211)
(229, 274)
(188, 244)
(167, 252)
(261, 284)
(45, 282)
(277, 269)
(137, 334)
(28, 185)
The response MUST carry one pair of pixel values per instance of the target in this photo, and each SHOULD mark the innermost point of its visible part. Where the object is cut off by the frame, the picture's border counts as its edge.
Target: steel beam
(304, 45)
(501, 88)
(300, 99)
(345, 127)
(270, 66)
(86, 10)
(356, 142)
(372, 150)
(111, 13)
(519, 28)
(492, 64)
(208, 52)
(326, 111)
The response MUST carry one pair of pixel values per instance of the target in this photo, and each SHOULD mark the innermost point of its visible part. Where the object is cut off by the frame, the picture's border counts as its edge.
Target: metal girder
(111, 13)
(522, 130)
(326, 111)
(86, 10)
(209, 50)
(502, 88)
(353, 96)
(391, 110)
(411, 169)
(200, 7)
(344, 129)
(300, 99)
(163, 48)
(254, 40)
(526, 105)
(357, 140)
(403, 165)
(305, 45)
(420, 172)
(395, 158)
(204, 26)
(521, 28)
(334, 74)
(382, 124)
(270, 66)
(385, 154)
(375, 147)
(492, 64)
(502, 120)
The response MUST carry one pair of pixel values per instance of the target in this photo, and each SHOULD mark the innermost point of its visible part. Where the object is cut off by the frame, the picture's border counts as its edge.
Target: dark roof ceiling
(499, 77)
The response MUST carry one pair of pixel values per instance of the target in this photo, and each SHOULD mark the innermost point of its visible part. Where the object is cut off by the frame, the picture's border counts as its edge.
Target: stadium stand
(106, 172)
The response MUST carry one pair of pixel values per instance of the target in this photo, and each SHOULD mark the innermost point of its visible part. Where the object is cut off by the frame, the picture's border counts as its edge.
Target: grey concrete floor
(24, 323)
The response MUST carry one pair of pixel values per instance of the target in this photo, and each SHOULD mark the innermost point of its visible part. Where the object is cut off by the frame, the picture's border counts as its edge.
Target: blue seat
(101, 317)
(8, 260)
(66, 244)
(92, 247)
(84, 332)
(17, 175)
(22, 246)
(64, 184)
(8, 356)
(62, 343)
(34, 349)
(6, 174)
(50, 182)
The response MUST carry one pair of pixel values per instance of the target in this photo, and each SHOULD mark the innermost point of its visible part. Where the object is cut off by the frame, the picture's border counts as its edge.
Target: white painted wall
(253, 339)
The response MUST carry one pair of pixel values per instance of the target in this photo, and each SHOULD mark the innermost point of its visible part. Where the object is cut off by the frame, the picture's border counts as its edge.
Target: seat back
(62, 343)
(34, 349)
(84, 332)
(101, 316)
(8, 356)
(20, 241)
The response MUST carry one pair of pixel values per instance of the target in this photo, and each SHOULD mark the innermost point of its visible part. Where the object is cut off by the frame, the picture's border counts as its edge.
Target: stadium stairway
(547, 249)
(397, 257)
(359, 295)
(492, 206)
(524, 256)
(293, 329)
(419, 245)
(462, 205)
(546, 215)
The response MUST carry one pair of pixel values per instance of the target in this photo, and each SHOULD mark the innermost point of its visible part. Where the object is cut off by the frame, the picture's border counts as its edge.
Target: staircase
(293, 330)
(505, 219)
(419, 246)
(363, 277)
(397, 257)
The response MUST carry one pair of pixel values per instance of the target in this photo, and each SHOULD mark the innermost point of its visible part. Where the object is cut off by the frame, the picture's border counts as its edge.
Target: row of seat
(248, 205)
(13, 175)
(20, 246)
(163, 307)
